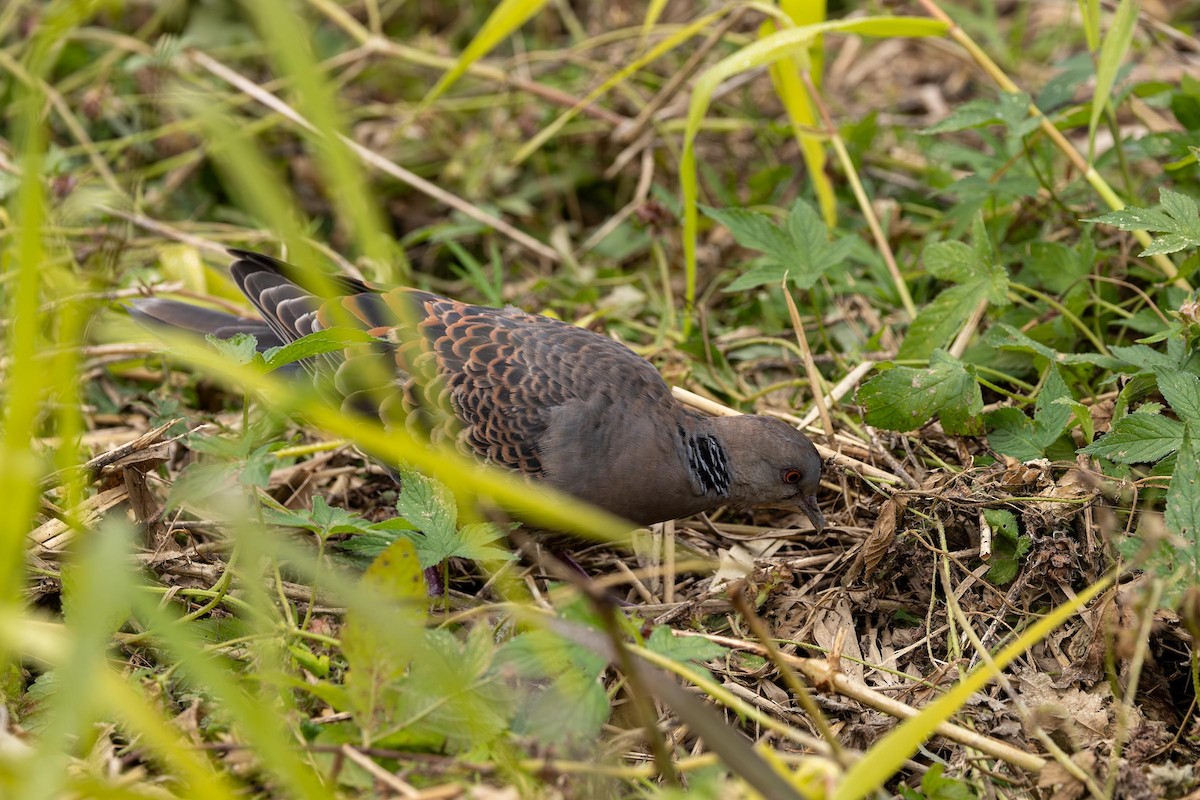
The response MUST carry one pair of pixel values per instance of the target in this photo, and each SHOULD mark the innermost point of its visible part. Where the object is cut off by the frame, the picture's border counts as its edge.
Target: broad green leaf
(429, 507)
(979, 277)
(904, 398)
(941, 320)
(1083, 417)
(691, 650)
(478, 542)
(378, 647)
(799, 248)
(1183, 508)
(1143, 357)
(1182, 391)
(951, 261)
(330, 340)
(1138, 439)
(450, 692)
(683, 648)
(572, 708)
(241, 348)
(1011, 109)
(506, 17)
(756, 231)
(1050, 416)
(1177, 217)
(1005, 337)
(1012, 433)
(1112, 53)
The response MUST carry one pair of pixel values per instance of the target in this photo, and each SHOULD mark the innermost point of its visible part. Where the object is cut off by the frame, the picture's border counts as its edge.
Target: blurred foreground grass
(1027, 377)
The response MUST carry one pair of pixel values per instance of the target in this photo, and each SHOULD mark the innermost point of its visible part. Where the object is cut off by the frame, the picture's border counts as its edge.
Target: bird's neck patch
(709, 464)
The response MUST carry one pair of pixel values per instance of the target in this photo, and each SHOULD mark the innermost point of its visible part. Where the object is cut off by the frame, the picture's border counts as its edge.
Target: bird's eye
(791, 476)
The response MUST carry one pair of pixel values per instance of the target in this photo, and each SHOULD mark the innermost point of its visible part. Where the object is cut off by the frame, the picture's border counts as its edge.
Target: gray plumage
(558, 403)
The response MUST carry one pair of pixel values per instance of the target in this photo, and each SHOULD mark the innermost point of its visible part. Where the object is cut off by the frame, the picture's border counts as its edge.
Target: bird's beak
(809, 506)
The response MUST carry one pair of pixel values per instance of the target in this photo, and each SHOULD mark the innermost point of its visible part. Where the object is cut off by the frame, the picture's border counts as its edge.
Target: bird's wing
(503, 372)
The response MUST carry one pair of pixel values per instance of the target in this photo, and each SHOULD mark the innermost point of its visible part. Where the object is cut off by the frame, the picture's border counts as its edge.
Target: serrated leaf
(1049, 416)
(1138, 439)
(241, 348)
(1005, 337)
(950, 261)
(572, 708)
(905, 398)
(799, 248)
(1177, 217)
(1182, 391)
(1183, 507)
(755, 231)
(1012, 433)
(378, 645)
(683, 648)
(941, 320)
(1143, 357)
(1083, 417)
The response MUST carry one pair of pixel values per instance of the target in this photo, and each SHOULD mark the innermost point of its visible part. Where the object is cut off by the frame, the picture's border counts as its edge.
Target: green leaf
(1138, 439)
(1177, 216)
(904, 398)
(314, 344)
(1112, 53)
(1050, 417)
(1143, 357)
(429, 507)
(1008, 545)
(571, 709)
(378, 646)
(241, 348)
(477, 542)
(1183, 508)
(1012, 433)
(1005, 337)
(799, 248)
(978, 276)
(1011, 109)
(1083, 416)
(1182, 391)
(940, 320)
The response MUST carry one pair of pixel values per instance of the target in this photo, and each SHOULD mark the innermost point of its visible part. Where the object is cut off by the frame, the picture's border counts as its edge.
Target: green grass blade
(793, 42)
(1112, 53)
(1090, 11)
(887, 755)
(507, 17)
(316, 99)
(665, 46)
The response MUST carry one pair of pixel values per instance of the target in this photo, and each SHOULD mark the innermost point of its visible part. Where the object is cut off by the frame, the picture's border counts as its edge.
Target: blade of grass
(785, 77)
(1112, 53)
(506, 17)
(887, 755)
(793, 42)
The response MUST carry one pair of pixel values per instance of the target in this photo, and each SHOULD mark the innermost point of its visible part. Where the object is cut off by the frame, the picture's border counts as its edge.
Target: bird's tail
(157, 313)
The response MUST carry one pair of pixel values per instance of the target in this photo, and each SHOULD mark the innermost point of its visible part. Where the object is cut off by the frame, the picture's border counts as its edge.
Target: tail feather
(157, 312)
